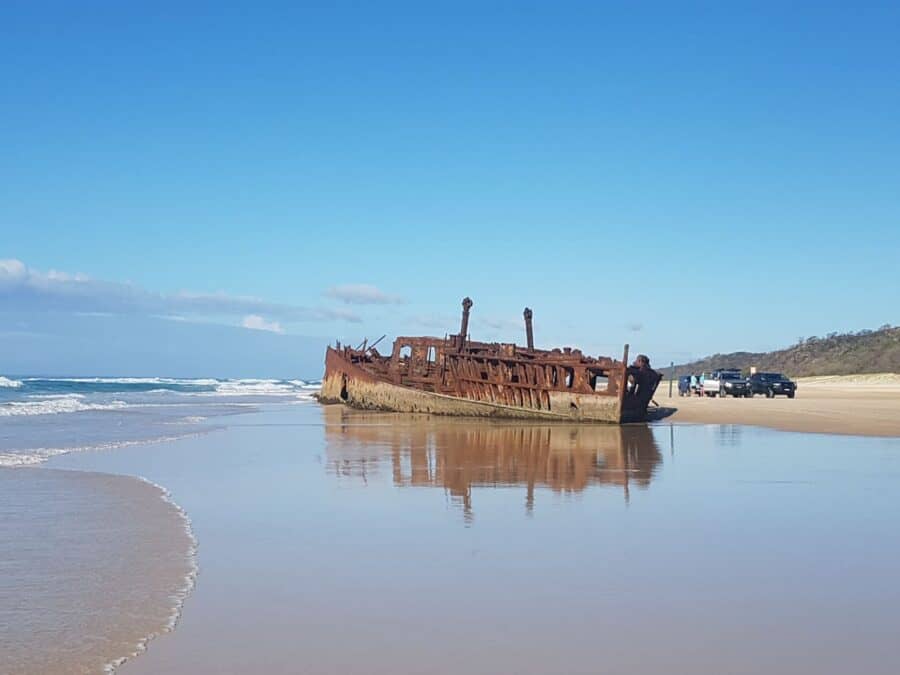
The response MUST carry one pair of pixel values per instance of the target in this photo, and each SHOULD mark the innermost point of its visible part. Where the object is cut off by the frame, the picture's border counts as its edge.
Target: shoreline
(182, 594)
(834, 406)
(298, 496)
(128, 565)
(870, 409)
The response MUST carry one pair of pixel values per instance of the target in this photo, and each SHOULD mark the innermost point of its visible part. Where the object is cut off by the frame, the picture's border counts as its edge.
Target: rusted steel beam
(464, 324)
(529, 330)
(624, 388)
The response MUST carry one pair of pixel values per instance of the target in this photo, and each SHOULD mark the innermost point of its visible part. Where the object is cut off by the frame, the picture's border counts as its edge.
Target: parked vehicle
(709, 384)
(684, 385)
(771, 384)
(732, 383)
(713, 384)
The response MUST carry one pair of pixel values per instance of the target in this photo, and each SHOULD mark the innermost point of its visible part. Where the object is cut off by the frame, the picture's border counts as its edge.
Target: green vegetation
(866, 351)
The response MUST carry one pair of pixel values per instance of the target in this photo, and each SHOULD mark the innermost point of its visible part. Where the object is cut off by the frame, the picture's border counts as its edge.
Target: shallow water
(334, 541)
(91, 565)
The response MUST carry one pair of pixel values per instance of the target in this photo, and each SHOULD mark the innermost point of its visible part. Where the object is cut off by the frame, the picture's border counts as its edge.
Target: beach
(94, 566)
(330, 336)
(337, 541)
(866, 405)
(278, 534)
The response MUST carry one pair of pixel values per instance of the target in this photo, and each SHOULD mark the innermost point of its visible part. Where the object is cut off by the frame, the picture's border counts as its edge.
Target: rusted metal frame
(572, 363)
(624, 382)
(525, 385)
(420, 378)
(514, 385)
(487, 370)
(529, 329)
(464, 325)
(476, 369)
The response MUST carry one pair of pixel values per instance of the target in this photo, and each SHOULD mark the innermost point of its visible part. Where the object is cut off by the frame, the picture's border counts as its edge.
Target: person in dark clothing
(642, 379)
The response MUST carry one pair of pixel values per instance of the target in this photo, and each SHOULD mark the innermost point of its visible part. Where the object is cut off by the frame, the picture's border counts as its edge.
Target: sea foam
(33, 456)
(179, 597)
(54, 406)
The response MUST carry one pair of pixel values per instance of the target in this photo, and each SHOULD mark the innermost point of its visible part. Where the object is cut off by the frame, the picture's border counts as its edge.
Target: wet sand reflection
(459, 454)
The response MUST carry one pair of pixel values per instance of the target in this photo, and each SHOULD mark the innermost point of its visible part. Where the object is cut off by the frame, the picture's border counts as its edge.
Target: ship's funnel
(464, 325)
(529, 330)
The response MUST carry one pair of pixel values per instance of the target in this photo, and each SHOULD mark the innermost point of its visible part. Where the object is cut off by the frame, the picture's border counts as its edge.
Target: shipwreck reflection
(460, 455)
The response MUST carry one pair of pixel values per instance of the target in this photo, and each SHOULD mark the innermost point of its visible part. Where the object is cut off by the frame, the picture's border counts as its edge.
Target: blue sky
(689, 179)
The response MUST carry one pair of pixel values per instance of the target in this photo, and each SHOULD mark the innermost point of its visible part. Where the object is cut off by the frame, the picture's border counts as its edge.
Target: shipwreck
(458, 376)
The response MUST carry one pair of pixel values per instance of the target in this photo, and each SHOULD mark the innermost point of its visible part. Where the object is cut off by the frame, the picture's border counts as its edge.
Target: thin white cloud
(362, 294)
(23, 288)
(256, 322)
(480, 327)
(171, 317)
(441, 323)
(501, 324)
(11, 269)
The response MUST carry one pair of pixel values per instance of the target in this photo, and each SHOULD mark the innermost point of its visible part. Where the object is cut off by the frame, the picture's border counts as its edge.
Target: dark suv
(731, 383)
(771, 384)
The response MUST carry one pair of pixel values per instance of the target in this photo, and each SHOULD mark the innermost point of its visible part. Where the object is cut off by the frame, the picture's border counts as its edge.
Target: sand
(332, 541)
(867, 405)
(339, 541)
(92, 566)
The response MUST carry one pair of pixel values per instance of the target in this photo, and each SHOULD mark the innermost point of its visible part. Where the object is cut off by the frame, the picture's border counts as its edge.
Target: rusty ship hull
(456, 376)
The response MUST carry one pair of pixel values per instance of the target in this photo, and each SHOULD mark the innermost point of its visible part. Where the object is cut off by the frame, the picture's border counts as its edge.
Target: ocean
(41, 417)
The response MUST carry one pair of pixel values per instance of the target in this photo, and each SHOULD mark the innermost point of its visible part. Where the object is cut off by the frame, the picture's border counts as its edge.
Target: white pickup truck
(723, 382)
(709, 384)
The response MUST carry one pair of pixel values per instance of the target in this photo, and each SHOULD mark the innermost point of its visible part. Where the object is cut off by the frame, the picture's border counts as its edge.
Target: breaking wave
(39, 455)
(56, 405)
(50, 416)
(21, 396)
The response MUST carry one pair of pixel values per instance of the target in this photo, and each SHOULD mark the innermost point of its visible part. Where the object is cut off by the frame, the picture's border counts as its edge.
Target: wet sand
(830, 406)
(342, 542)
(91, 567)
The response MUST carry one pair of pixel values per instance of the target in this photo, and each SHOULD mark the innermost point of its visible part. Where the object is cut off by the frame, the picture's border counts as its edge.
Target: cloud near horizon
(23, 288)
(256, 322)
(362, 294)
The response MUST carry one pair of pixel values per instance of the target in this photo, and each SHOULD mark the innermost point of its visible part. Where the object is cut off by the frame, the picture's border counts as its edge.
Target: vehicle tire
(791, 395)
(749, 394)
(770, 393)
